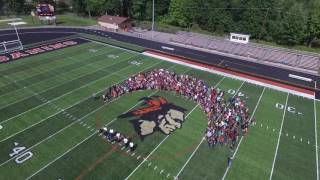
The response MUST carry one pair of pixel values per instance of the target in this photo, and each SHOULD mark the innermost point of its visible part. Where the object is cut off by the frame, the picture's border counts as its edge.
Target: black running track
(29, 36)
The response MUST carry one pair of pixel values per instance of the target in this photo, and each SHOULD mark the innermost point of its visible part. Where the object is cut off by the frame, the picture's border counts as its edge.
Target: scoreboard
(45, 10)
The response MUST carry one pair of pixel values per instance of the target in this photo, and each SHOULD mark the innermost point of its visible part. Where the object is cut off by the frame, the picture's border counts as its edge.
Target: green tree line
(287, 22)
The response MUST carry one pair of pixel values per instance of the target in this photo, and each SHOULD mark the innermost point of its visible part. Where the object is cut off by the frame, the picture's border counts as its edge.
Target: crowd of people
(227, 120)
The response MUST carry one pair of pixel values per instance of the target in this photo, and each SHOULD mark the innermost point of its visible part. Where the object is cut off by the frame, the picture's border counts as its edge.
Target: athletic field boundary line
(106, 44)
(69, 91)
(41, 32)
(280, 131)
(251, 81)
(146, 159)
(72, 122)
(316, 137)
(234, 154)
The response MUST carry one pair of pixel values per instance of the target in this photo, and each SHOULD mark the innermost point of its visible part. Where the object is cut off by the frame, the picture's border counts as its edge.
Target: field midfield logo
(158, 114)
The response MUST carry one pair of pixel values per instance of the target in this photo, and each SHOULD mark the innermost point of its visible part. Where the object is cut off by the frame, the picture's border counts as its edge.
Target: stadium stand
(282, 56)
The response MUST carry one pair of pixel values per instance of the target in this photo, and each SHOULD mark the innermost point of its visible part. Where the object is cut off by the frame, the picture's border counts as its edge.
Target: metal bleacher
(291, 58)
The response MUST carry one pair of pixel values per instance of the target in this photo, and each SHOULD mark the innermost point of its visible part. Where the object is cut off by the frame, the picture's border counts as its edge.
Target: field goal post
(11, 45)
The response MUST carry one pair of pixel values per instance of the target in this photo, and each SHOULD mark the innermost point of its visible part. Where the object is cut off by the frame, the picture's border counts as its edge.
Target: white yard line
(2, 122)
(168, 136)
(145, 159)
(41, 169)
(193, 153)
(190, 157)
(83, 75)
(40, 71)
(71, 105)
(280, 131)
(72, 122)
(316, 136)
(234, 154)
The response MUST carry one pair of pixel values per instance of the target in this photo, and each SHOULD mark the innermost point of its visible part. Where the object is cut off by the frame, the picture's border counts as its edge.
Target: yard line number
(20, 154)
(232, 91)
(289, 108)
(136, 63)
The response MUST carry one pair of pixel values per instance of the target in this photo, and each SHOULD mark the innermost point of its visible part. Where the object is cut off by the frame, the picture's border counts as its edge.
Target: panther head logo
(156, 114)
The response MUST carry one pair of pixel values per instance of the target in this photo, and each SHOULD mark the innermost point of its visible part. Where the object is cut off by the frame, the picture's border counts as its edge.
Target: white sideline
(316, 136)
(280, 131)
(72, 122)
(2, 122)
(105, 44)
(193, 153)
(234, 154)
(232, 76)
(145, 159)
(57, 158)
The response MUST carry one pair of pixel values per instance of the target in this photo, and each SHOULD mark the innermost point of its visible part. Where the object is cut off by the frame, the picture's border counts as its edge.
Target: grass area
(67, 19)
(46, 106)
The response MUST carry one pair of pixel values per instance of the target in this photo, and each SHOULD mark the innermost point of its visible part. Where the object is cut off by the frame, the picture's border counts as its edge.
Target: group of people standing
(227, 119)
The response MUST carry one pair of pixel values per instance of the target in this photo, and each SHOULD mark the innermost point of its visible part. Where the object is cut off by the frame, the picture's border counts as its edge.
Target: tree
(94, 7)
(292, 28)
(78, 6)
(16, 6)
(313, 25)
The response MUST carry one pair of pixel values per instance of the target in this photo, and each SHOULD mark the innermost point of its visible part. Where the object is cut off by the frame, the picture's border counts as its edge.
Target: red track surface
(263, 80)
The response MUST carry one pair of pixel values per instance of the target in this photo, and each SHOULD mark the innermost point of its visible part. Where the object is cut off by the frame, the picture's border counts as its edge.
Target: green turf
(62, 134)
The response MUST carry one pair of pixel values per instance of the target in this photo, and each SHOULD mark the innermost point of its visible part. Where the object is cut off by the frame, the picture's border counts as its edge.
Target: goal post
(13, 43)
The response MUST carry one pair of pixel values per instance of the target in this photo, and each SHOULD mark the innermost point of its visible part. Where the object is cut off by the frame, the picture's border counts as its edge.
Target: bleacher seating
(253, 51)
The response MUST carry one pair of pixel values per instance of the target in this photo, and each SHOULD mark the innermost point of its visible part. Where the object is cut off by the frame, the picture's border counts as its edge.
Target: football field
(49, 123)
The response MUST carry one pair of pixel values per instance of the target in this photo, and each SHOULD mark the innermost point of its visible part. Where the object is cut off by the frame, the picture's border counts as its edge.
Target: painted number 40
(19, 154)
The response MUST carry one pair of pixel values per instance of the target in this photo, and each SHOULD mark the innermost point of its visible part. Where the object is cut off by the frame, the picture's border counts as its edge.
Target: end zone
(235, 75)
(43, 48)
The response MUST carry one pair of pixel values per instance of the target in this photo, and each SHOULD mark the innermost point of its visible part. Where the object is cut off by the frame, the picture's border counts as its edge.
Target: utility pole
(152, 27)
